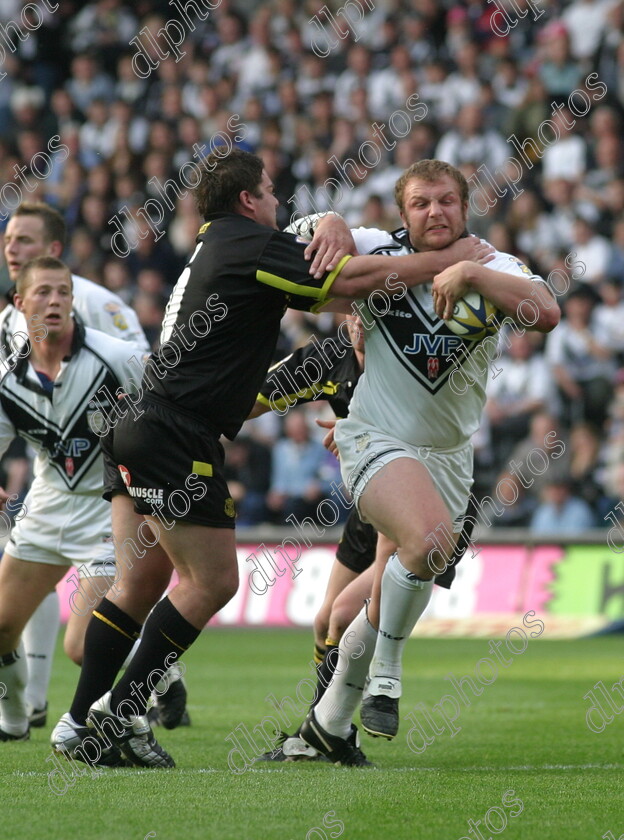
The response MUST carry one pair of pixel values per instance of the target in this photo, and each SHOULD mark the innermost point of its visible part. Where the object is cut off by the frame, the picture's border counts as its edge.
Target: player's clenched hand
(450, 285)
(332, 241)
(469, 248)
(328, 440)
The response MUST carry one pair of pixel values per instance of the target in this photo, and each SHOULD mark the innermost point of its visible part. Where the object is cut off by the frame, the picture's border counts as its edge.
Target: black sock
(319, 653)
(325, 670)
(108, 641)
(166, 632)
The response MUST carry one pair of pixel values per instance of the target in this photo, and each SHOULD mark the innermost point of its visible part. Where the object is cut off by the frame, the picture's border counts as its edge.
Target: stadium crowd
(101, 114)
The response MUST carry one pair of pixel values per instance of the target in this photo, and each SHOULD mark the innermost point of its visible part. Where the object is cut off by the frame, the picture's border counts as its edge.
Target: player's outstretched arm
(360, 276)
(506, 291)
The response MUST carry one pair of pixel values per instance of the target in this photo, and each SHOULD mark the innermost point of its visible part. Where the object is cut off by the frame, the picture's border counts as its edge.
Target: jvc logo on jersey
(73, 448)
(433, 345)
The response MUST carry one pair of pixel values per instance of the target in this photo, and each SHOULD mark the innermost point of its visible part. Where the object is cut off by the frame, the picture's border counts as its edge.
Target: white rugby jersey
(95, 306)
(422, 383)
(57, 424)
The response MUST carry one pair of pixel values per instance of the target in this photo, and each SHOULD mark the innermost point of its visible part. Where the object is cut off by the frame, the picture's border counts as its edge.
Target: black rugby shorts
(170, 464)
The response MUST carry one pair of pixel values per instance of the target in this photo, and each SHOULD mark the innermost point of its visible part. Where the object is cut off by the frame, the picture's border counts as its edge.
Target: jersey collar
(78, 341)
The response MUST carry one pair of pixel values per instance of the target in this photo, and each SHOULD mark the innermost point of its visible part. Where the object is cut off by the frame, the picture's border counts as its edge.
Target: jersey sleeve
(126, 362)
(282, 266)
(303, 376)
(7, 430)
(104, 311)
(369, 239)
(512, 265)
(13, 331)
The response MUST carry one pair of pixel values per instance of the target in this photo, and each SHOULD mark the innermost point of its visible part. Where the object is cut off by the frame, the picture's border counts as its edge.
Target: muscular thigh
(402, 502)
(23, 586)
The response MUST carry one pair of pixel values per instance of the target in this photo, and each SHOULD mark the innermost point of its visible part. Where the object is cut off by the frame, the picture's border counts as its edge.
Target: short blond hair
(430, 170)
(46, 263)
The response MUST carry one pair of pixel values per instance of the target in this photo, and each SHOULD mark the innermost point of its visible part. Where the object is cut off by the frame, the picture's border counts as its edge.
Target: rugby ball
(474, 317)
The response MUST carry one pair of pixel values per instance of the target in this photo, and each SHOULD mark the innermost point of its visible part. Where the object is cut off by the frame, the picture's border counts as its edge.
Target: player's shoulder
(108, 346)
(10, 316)
(377, 241)
(87, 292)
(511, 265)
(98, 307)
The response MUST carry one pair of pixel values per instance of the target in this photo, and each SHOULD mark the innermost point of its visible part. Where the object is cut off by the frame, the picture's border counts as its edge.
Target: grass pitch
(524, 763)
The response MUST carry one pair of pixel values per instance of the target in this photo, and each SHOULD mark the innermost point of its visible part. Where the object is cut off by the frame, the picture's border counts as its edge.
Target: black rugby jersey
(223, 318)
(318, 371)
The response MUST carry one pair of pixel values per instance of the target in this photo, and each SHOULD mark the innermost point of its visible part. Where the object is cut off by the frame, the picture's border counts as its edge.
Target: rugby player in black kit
(163, 459)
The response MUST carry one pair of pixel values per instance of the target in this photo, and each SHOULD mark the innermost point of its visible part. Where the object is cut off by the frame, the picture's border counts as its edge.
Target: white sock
(336, 708)
(39, 638)
(403, 601)
(13, 677)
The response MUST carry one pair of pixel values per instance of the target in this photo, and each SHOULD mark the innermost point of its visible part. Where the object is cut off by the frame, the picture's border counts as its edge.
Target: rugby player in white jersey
(34, 230)
(405, 449)
(47, 396)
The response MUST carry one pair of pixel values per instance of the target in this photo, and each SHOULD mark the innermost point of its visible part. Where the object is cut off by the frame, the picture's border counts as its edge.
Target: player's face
(25, 239)
(47, 300)
(433, 213)
(266, 203)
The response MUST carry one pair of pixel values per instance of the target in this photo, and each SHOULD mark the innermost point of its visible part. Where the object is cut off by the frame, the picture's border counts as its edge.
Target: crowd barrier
(576, 583)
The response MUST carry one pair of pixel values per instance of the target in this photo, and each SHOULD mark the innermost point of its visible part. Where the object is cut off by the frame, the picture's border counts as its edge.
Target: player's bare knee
(341, 618)
(225, 587)
(9, 634)
(414, 558)
(142, 593)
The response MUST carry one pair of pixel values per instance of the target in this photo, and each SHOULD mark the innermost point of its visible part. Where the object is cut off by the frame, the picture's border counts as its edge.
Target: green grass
(525, 733)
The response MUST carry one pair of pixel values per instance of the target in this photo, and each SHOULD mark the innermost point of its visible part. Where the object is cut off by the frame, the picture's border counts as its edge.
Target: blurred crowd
(114, 110)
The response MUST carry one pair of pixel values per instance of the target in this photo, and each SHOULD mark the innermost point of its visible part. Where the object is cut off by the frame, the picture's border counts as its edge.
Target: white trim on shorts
(364, 450)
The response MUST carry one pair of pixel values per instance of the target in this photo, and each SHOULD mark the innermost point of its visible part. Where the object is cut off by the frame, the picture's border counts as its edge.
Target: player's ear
(18, 302)
(245, 200)
(55, 249)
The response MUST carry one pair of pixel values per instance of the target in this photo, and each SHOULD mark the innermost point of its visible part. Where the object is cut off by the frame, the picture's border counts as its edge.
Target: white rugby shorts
(364, 450)
(64, 529)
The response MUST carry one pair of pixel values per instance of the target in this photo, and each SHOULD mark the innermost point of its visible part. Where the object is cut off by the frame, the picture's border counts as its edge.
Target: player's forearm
(362, 275)
(520, 298)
